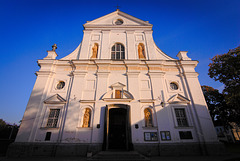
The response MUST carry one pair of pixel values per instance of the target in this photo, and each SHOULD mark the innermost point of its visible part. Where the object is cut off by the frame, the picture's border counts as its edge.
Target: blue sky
(29, 28)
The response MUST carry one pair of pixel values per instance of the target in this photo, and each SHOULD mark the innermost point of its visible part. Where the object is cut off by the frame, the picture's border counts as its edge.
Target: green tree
(218, 109)
(225, 68)
(2, 124)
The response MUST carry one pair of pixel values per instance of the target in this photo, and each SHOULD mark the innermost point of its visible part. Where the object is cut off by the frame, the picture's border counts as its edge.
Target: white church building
(116, 91)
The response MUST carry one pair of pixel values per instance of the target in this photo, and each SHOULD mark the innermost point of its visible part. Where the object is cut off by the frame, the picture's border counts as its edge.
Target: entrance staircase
(118, 156)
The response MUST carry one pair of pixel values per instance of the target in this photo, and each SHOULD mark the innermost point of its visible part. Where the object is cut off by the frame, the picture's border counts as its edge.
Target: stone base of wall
(171, 149)
(180, 149)
(51, 149)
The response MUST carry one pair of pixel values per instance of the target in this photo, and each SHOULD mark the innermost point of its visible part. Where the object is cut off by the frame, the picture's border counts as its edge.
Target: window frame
(120, 94)
(181, 118)
(121, 51)
(188, 113)
(55, 117)
(46, 115)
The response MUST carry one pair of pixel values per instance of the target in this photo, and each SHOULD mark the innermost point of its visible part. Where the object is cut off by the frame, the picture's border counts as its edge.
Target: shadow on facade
(150, 141)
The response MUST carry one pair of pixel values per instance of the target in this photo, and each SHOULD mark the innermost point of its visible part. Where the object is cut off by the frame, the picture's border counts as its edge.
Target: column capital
(79, 73)
(156, 74)
(103, 74)
(133, 74)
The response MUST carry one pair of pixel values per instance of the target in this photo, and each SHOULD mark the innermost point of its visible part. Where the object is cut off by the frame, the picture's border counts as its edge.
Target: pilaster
(105, 45)
(85, 44)
(131, 53)
(150, 45)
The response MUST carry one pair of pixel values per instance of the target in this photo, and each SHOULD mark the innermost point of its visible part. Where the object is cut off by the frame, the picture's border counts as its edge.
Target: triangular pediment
(55, 99)
(110, 19)
(178, 98)
(118, 84)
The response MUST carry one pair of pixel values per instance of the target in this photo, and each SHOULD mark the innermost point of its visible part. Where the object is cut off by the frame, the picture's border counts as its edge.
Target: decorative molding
(178, 98)
(87, 101)
(103, 74)
(146, 100)
(45, 73)
(191, 74)
(133, 74)
(55, 99)
(117, 99)
(49, 128)
(79, 73)
(51, 55)
(118, 84)
(156, 74)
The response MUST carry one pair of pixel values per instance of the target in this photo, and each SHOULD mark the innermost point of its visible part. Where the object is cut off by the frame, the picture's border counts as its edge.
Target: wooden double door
(117, 127)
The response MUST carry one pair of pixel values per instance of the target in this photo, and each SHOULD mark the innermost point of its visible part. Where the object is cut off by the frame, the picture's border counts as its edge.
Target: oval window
(119, 22)
(60, 85)
(173, 86)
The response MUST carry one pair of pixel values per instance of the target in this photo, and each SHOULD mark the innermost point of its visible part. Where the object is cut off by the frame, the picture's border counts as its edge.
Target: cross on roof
(118, 7)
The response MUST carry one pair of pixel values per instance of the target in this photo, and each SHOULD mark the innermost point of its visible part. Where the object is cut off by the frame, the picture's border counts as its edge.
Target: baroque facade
(117, 90)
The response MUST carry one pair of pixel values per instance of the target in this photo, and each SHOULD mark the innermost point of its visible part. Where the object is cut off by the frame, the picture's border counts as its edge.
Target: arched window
(87, 117)
(141, 51)
(118, 52)
(148, 117)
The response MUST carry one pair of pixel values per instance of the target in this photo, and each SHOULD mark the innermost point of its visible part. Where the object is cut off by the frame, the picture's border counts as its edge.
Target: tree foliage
(220, 112)
(8, 131)
(225, 68)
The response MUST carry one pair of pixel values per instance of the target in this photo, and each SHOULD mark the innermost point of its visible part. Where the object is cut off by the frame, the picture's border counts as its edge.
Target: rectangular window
(185, 135)
(48, 136)
(53, 118)
(181, 117)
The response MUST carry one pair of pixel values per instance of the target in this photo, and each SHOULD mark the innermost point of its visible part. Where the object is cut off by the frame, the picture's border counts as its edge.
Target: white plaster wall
(88, 80)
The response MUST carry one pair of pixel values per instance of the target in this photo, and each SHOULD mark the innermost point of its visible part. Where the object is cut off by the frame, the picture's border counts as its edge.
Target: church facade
(116, 91)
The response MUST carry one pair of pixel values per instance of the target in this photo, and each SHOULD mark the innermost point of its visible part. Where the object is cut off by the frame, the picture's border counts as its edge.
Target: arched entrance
(117, 133)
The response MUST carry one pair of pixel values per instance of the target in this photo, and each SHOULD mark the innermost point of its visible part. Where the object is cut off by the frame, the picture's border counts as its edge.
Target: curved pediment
(117, 93)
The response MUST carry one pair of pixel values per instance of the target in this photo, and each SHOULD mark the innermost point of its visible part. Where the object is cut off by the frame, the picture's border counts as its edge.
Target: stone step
(118, 156)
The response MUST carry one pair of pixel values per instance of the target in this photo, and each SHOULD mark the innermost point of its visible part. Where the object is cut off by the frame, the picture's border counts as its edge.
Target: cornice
(79, 73)
(191, 74)
(146, 100)
(87, 101)
(132, 74)
(117, 100)
(156, 73)
(44, 73)
(102, 74)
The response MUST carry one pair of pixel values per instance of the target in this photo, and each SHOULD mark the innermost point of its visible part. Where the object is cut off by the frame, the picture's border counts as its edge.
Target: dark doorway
(117, 133)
